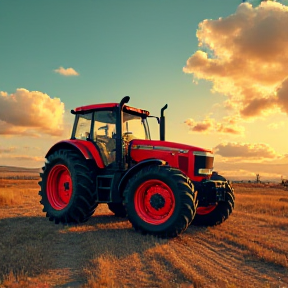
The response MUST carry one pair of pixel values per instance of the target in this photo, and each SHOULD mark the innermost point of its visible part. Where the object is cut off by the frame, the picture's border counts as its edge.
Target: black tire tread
(84, 200)
(220, 213)
(186, 192)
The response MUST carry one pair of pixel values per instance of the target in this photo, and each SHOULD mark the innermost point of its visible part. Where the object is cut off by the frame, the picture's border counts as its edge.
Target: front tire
(160, 201)
(216, 214)
(67, 188)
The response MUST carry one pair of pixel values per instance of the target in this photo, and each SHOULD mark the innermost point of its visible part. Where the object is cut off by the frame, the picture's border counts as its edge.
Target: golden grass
(249, 250)
(8, 195)
(9, 198)
(270, 205)
(22, 281)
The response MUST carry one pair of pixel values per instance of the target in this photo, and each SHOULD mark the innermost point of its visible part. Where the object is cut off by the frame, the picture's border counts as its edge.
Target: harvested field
(249, 250)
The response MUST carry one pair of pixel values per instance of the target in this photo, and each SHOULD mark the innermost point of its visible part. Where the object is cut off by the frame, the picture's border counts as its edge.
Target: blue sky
(135, 48)
(119, 48)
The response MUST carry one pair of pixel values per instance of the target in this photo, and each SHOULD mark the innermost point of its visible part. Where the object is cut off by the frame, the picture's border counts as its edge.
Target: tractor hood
(165, 146)
(195, 162)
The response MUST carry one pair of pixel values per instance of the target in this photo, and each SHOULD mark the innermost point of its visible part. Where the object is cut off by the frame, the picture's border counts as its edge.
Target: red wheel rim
(154, 202)
(205, 210)
(59, 187)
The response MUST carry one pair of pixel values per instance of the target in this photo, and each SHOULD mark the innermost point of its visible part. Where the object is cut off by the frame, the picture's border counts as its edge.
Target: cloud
(21, 160)
(204, 126)
(282, 95)
(258, 151)
(66, 72)
(30, 158)
(30, 113)
(275, 126)
(210, 125)
(240, 171)
(7, 150)
(240, 161)
(31, 148)
(247, 59)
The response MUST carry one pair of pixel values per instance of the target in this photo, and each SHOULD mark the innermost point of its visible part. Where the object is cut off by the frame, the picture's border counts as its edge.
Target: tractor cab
(105, 124)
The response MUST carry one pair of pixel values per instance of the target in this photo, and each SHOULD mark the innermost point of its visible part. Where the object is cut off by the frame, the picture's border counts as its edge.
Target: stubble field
(249, 250)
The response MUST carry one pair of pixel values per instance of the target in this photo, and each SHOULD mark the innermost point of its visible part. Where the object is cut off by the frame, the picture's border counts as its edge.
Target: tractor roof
(96, 107)
(126, 108)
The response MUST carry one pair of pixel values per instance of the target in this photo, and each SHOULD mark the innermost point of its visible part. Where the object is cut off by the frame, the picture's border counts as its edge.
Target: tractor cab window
(104, 134)
(83, 127)
(134, 127)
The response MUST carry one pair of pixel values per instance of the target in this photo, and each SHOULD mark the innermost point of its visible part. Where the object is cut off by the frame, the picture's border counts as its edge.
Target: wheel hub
(157, 201)
(154, 201)
(66, 186)
(59, 187)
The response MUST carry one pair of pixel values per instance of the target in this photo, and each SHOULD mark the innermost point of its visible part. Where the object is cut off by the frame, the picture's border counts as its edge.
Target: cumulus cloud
(66, 72)
(247, 59)
(30, 113)
(246, 150)
(204, 126)
(210, 125)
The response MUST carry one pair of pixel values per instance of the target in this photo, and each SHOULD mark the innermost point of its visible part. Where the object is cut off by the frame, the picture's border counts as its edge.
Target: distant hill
(7, 169)
(12, 172)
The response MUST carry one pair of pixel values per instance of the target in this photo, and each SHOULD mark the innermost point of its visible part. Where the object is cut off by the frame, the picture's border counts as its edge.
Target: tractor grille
(202, 162)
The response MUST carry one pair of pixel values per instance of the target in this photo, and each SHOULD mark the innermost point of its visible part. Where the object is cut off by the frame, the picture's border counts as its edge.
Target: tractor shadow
(34, 245)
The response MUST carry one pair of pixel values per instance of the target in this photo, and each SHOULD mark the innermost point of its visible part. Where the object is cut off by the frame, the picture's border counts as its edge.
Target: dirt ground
(249, 250)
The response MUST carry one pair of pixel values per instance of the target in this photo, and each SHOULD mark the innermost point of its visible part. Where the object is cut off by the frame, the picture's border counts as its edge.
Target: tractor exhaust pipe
(119, 120)
(162, 123)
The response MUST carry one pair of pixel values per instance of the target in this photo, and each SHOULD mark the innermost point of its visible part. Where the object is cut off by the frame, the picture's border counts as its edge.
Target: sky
(221, 66)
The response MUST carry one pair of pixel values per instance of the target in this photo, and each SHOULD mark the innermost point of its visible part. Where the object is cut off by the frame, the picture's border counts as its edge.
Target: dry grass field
(248, 250)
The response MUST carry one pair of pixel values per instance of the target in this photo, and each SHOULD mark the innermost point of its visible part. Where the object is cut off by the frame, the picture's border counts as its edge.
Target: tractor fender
(86, 148)
(137, 168)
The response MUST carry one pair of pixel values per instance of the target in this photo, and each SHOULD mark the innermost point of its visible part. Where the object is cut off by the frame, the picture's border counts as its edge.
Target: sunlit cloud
(66, 72)
(247, 59)
(30, 113)
(210, 125)
(22, 158)
(245, 160)
(201, 126)
(244, 175)
(243, 171)
(257, 151)
(7, 150)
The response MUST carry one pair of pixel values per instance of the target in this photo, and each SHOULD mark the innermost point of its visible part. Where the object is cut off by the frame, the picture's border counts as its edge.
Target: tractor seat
(107, 148)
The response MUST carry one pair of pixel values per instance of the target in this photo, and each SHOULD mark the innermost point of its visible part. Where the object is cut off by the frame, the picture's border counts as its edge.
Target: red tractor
(161, 186)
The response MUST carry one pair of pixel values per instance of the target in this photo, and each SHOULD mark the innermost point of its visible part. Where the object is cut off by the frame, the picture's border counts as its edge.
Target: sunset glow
(222, 71)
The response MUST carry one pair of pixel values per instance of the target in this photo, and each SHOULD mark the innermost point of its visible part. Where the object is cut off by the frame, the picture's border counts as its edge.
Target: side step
(104, 186)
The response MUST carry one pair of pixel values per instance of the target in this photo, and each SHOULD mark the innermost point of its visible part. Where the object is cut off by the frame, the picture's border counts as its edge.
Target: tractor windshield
(83, 126)
(135, 127)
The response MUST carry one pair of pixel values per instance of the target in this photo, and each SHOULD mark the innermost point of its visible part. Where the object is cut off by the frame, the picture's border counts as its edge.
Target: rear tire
(67, 188)
(160, 201)
(118, 209)
(215, 215)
